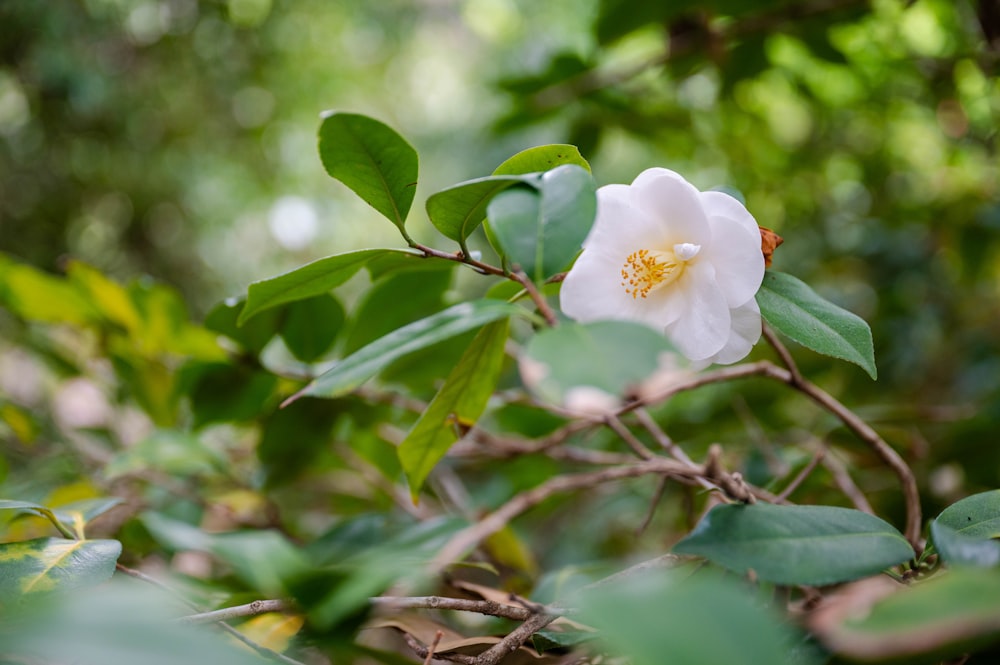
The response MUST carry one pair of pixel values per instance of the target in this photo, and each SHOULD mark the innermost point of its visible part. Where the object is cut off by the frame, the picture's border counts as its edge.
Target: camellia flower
(682, 261)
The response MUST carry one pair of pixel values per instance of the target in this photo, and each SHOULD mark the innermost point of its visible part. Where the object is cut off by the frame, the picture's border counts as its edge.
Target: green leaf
(79, 513)
(44, 565)
(312, 325)
(458, 210)
(373, 160)
(254, 335)
(393, 302)
(655, 618)
(977, 515)
(965, 532)
(543, 230)
(944, 616)
(542, 158)
(610, 356)
(38, 296)
(813, 545)
(168, 451)
(357, 368)
(224, 392)
(9, 504)
(309, 280)
(957, 549)
(550, 640)
(456, 406)
(797, 311)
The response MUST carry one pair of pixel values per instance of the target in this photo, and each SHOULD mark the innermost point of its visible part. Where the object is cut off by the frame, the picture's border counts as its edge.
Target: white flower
(682, 261)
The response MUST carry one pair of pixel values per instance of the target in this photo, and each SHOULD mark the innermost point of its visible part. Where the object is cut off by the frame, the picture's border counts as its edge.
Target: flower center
(648, 269)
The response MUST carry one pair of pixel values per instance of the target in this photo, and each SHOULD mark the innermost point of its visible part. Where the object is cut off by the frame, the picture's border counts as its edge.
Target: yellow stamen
(645, 269)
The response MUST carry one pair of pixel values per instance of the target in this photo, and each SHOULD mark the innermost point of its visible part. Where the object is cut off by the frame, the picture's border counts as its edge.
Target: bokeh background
(176, 139)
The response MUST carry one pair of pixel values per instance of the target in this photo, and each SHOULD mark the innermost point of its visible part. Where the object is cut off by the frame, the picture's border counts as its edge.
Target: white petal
(723, 205)
(674, 203)
(736, 255)
(592, 291)
(746, 329)
(702, 329)
(621, 224)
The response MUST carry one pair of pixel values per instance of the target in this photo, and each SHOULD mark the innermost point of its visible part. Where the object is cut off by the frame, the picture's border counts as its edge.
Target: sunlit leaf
(457, 406)
(542, 158)
(373, 160)
(78, 514)
(44, 565)
(110, 298)
(795, 310)
(309, 280)
(357, 368)
(38, 296)
(813, 545)
(458, 210)
(541, 229)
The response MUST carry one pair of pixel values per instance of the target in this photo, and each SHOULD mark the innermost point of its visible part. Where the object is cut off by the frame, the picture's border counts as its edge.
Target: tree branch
(227, 613)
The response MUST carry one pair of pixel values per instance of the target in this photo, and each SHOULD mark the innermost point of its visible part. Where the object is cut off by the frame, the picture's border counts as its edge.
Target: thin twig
(637, 446)
(536, 297)
(474, 534)
(259, 648)
(422, 652)
(661, 488)
(486, 607)
(783, 353)
(803, 474)
(513, 641)
(434, 645)
(846, 484)
(227, 613)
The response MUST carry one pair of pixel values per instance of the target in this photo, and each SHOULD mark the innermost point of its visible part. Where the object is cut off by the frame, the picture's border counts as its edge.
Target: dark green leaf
(457, 211)
(542, 158)
(550, 640)
(45, 565)
(610, 356)
(309, 280)
(401, 297)
(457, 405)
(292, 438)
(813, 545)
(797, 311)
(224, 392)
(311, 326)
(357, 368)
(373, 160)
(543, 230)
(253, 336)
(655, 618)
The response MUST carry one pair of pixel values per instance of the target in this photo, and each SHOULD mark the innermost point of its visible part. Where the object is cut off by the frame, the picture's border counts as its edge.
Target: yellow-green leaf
(45, 565)
(457, 405)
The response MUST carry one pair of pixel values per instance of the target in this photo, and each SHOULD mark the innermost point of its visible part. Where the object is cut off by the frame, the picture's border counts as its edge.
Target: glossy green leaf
(944, 616)
(44, 565)
(458, 210)
(795, 310)
(655, 618)
(542, 230)
(977, 515)
(606, 356)
(813, 545)
(311, 326)
(965, 532)
(958, 549)
(309, 280)
(457, 406)
(542, 158)
(371, 159)
(357, 368)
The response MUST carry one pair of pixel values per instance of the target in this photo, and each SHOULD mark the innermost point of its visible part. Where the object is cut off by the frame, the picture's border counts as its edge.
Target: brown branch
(536, 297)
(637, 446)
(803, 474)
(861, 429)
(846, 484)
(513, 641)
(474, 534)
(486, 607)
(783, 353)
(434, 645)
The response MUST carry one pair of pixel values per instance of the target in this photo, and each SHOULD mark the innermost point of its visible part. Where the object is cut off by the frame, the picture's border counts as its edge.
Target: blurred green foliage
(175, 139)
